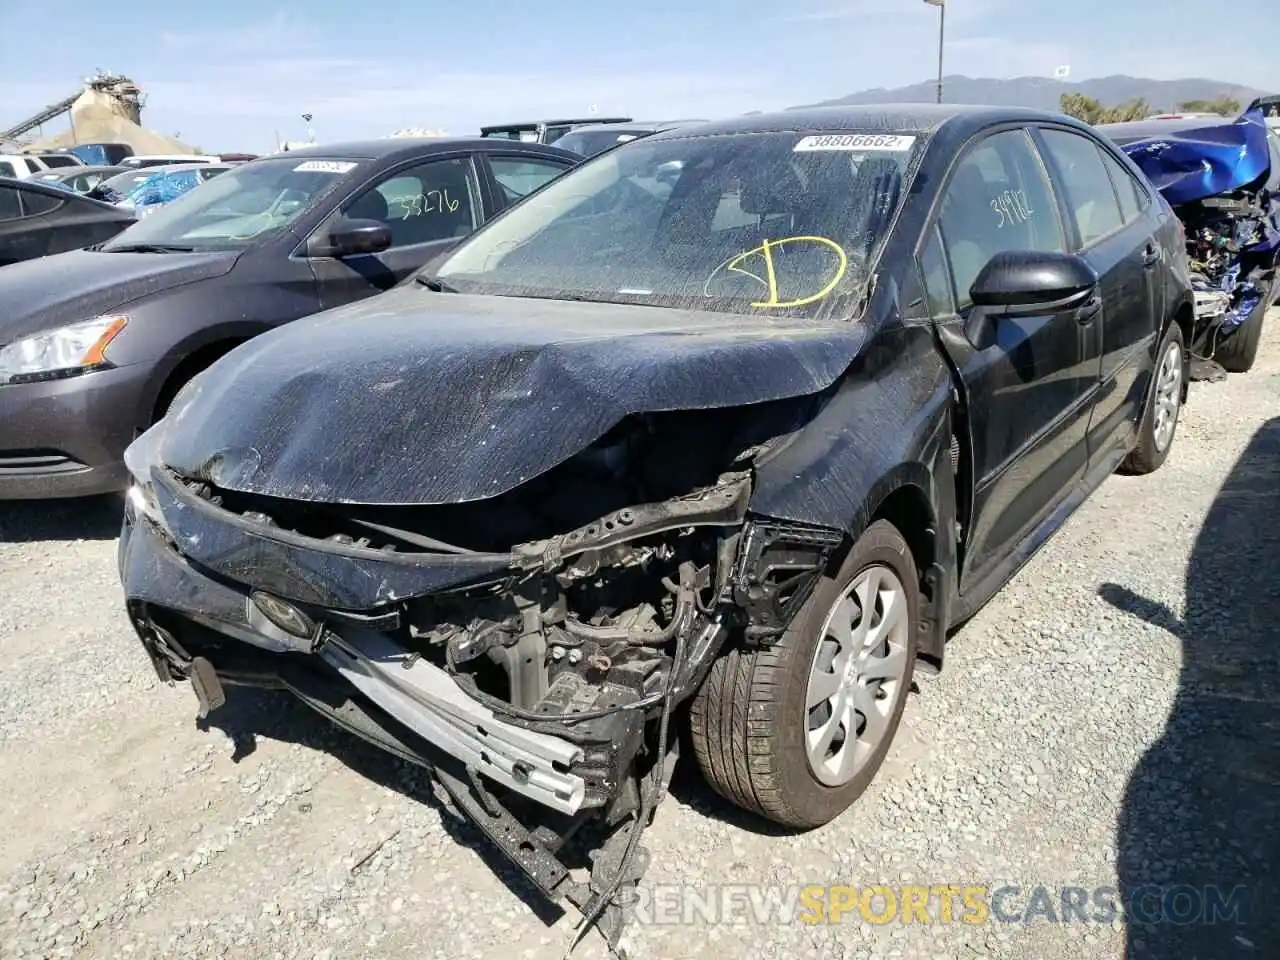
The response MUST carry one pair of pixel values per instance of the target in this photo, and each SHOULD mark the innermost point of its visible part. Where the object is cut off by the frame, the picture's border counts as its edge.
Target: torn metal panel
(1206, 160)
(328, 573)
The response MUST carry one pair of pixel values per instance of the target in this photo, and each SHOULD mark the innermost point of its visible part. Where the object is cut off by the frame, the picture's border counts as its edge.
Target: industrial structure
(108, 109)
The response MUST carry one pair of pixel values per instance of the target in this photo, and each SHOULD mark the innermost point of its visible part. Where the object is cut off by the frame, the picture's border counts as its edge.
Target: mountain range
(1044, 92)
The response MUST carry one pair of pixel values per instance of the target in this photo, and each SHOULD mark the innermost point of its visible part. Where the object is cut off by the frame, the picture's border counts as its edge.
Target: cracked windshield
(775, 222)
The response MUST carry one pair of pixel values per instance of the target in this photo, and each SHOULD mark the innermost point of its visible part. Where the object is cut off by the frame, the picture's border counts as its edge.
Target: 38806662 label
(856, 142)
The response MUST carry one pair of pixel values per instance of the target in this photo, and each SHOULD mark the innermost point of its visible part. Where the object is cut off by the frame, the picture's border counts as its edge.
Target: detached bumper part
(423, 697)
(1211, 304)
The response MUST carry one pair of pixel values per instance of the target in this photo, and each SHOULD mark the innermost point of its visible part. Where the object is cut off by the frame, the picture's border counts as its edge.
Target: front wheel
(1238, 354)
(1164, 404)
(795, 732)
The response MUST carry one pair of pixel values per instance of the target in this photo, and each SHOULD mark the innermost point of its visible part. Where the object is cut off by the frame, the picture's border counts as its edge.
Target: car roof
(655, 125)
(918, 118)
(392, 149)
(184, 167)
(1156, 127)
(85, 168)
(577, 121)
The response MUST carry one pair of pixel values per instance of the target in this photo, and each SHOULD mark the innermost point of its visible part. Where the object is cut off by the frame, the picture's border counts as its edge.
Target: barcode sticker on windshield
(891, 142)
(325, 166)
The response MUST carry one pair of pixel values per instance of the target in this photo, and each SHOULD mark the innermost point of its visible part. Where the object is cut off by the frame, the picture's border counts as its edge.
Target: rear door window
(1085, 183)
(37, 204)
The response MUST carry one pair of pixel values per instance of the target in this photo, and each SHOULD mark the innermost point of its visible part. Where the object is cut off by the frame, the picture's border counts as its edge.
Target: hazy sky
(228, 75)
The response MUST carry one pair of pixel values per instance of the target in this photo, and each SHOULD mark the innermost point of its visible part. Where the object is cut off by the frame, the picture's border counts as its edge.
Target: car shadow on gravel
(1198, 846)
(90, 518)
(251, 712)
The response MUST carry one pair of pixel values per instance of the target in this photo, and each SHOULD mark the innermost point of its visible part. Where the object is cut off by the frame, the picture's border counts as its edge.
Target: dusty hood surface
(49, 292)
(417, 398)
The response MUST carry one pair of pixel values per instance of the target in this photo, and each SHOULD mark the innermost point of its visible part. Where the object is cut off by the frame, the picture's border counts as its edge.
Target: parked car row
(99, 340)
(512, 461)
(78, 178)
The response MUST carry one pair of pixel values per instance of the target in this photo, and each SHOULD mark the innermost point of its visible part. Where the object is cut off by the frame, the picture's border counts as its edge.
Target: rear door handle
(1151, 255)
(1089, 311)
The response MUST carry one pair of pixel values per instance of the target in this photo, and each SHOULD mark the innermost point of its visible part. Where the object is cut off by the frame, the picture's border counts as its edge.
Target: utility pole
(942, 33)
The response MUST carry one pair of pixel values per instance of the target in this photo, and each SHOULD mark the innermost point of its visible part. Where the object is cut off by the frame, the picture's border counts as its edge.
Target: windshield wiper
(149, 248)
(434, 284)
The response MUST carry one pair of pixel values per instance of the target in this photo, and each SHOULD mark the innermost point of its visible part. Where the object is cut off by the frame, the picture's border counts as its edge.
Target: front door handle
(1151, 255)
(1087, 313)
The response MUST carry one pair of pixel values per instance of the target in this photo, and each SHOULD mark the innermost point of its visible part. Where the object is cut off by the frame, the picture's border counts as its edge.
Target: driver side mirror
(352, 237)
(1027, 281)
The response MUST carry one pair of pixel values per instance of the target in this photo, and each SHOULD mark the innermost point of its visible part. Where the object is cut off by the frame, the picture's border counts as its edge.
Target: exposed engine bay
(1219, 230)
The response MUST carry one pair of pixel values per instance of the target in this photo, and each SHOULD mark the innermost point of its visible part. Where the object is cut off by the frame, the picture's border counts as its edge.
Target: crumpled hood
(1193, 164)
(48, 292)
(418, 398)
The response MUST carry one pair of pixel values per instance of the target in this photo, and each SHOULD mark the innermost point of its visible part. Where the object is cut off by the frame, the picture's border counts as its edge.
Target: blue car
(1221, 176)
(168, 184)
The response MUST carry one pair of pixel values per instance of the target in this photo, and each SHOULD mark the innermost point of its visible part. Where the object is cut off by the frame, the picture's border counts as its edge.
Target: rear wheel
(1238, 354)
(796, 732)
(1164, 404)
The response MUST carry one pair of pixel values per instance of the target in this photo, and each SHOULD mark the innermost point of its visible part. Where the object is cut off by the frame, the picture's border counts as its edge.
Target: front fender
(882, 445)
(886, 425)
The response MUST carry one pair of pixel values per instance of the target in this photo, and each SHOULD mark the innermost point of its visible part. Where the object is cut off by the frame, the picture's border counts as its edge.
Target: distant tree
(1133, 110)
(1092, 111)
(1081, 107)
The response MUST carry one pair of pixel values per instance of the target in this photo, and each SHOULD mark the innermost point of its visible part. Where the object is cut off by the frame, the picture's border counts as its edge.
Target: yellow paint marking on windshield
(770, 278)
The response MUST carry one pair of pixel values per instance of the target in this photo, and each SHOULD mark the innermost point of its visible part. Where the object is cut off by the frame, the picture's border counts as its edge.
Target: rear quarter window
(37, 204)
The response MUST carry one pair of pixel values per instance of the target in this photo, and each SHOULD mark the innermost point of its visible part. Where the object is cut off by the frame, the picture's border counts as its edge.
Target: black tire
(748, 720)
(1238, 354)
(1148, 455)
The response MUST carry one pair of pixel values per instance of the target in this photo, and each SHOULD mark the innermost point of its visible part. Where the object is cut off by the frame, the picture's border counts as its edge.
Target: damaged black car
(711, 441)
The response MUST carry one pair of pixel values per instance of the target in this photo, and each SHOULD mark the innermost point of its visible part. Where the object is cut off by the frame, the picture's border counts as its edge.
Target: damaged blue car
(1222, 178)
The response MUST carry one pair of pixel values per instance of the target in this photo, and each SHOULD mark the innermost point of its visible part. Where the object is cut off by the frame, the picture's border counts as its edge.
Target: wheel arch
(188, 367)
(1184, 315)
(187, 358)
(902, 498)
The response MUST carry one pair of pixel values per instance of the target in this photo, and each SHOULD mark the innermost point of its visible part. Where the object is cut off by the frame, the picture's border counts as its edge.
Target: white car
(19, 166)
(165, 159)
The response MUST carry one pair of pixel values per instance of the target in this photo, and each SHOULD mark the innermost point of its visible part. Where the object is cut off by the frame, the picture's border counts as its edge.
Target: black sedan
(95, 343)
(38, 219)
(748, 415)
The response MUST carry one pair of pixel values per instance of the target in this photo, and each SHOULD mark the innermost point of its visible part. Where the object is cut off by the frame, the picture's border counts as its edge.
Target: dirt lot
(1110, 720)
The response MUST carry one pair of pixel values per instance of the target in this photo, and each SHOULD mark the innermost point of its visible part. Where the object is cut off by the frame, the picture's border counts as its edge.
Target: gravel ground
(1109, 720)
